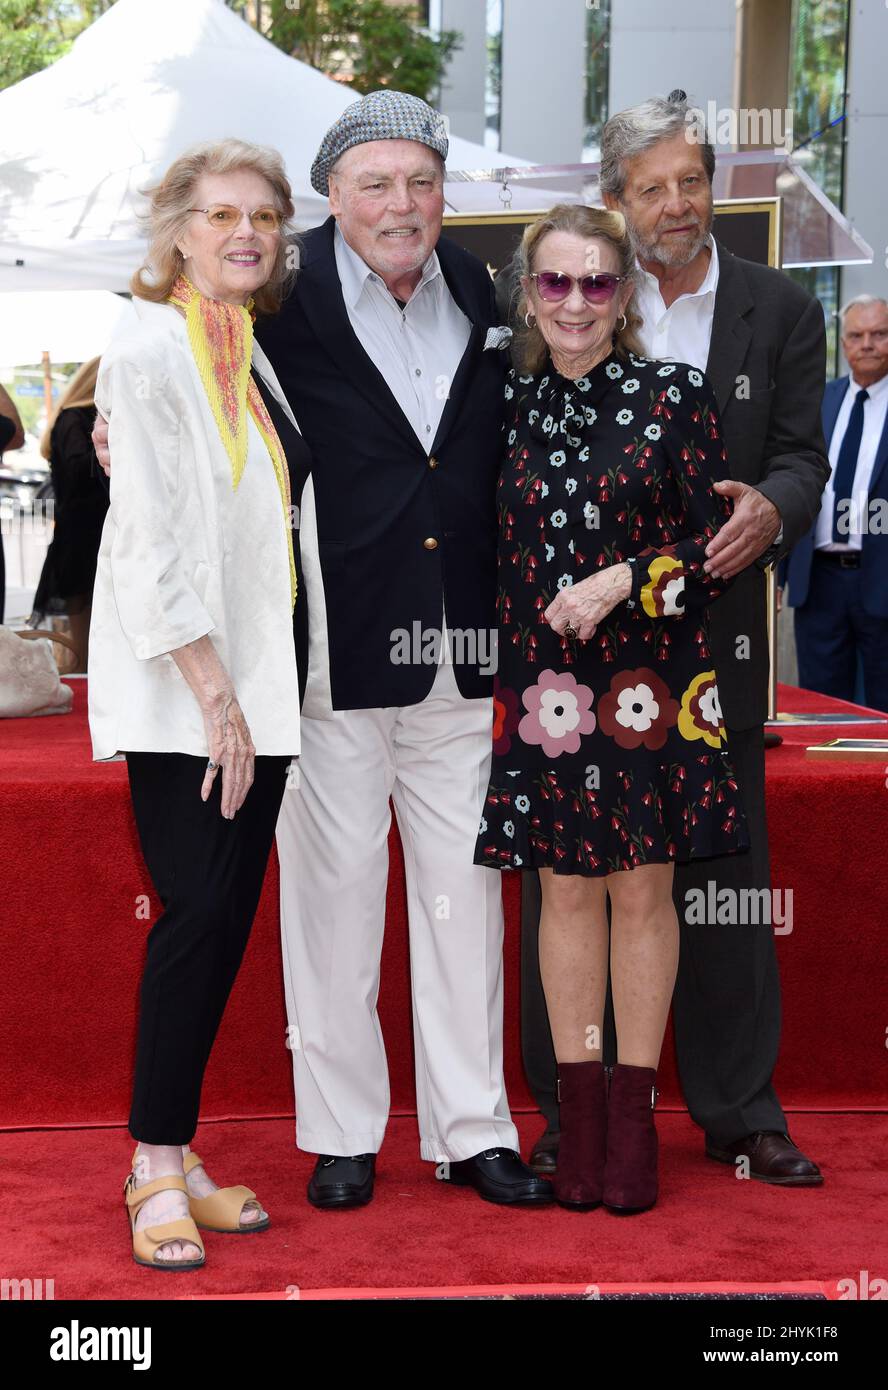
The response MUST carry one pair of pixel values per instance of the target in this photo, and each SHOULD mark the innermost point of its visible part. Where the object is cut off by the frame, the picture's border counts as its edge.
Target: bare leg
(644, 960)
(573, 962)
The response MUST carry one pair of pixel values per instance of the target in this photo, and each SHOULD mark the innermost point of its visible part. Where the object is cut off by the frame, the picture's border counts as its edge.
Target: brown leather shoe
(773, 1157)
(544, 1158)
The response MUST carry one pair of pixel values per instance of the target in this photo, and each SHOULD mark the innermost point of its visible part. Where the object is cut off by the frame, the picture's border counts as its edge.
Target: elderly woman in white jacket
(192, 663)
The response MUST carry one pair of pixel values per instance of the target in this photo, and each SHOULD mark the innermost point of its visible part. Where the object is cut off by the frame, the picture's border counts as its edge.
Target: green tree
(366, 44)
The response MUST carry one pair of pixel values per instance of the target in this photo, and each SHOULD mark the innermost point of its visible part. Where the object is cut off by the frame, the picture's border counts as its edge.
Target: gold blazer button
(430, 543)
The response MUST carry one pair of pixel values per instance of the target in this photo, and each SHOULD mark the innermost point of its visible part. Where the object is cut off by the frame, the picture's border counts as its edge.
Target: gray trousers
(726, 1005)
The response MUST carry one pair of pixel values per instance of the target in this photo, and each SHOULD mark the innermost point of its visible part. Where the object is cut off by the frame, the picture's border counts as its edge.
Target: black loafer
(498, 1175)
(342, 1182)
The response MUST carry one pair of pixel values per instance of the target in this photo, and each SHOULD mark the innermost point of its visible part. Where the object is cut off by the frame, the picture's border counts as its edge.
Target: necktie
(843, 478)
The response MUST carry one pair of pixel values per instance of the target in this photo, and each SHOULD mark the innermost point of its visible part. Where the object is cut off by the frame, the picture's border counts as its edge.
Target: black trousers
(208, 874)
(726, 1005)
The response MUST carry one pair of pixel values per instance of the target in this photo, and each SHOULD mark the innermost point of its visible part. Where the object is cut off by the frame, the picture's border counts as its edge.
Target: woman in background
(80, 489)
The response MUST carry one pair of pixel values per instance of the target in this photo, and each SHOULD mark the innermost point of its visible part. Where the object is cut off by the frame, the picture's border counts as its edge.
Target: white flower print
(673, 597)
(526, 379)
(653, 432)
(570, 485)
(509, 392)
(533, 416)
(482, 828)
(584, 454)
(647, 712)
(509, 828)
(591, 414)
(545, 490)
(558, 518)
(583, 383)
(667, 370)
(565, 581)
(695, 378)
(588, 511)
(522, 803)
(558, 458)
(548, 424)
(631, 385)
(614, 371)
(517, 861)
(625, 417)
(570, 546)
(550, 551)
(673, 394)
(710, 706)
(513, 435)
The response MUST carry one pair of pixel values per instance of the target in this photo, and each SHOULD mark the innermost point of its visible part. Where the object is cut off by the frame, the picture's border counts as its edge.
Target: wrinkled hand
(231, 747)
(588, 603)
(748, 533)
(100, 443)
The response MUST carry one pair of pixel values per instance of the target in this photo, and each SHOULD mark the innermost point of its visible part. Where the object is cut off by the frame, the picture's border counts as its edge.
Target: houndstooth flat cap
(383, 115)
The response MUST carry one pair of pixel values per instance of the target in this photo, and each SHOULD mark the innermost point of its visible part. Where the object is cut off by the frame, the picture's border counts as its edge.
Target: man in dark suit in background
(838, 572)
(760, 339)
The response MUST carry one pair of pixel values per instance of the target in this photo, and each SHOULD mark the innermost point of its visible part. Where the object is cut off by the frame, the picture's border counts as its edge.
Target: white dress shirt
(874, 411)
(681, 332)
(418, 348)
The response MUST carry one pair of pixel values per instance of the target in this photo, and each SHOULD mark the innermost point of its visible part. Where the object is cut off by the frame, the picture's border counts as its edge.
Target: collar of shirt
(355, 274)
(650, 285)
(876, 392)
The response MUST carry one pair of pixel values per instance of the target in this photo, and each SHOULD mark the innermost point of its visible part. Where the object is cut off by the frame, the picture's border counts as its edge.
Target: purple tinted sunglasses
(595, 289)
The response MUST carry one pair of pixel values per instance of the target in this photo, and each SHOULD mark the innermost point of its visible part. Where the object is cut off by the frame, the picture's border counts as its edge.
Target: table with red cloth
(74, 917)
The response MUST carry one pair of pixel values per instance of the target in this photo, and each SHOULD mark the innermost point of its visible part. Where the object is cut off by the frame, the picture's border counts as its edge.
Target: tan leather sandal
(147, 1241)
(222, 1210)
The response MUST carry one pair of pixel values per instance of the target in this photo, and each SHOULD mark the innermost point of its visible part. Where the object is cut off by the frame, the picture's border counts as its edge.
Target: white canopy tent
(145, 81)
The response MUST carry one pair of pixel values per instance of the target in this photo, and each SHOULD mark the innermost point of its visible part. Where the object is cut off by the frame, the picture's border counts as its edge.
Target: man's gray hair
(859, 299)
(637, 129)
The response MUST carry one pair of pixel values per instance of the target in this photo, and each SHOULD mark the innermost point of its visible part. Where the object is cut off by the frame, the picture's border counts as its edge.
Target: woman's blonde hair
(80, 391)
(173, 197)
(530, 349)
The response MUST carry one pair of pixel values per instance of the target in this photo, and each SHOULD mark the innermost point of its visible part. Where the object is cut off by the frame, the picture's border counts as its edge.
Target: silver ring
(570, 631)
(211, 766)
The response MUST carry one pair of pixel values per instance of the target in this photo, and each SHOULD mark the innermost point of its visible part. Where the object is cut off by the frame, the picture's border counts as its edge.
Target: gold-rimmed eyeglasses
(225, 218)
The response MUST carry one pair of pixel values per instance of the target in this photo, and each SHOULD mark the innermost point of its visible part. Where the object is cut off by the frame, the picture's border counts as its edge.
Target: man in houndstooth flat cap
(383, 115)
(388, 351)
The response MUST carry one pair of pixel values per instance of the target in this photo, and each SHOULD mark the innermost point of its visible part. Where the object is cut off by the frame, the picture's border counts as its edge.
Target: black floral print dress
(612, 752)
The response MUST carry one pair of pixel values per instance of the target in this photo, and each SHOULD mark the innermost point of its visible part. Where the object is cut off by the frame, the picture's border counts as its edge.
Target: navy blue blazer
(796, 568)
(402, 534)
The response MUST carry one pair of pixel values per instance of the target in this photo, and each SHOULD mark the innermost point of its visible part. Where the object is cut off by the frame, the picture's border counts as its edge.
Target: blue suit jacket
(874, 555)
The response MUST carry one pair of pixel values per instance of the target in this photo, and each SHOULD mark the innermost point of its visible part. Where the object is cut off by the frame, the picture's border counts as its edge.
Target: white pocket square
(497, 338)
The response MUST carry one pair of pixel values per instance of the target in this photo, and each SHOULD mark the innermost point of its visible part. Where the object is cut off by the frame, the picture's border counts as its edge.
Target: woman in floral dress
(610, 759)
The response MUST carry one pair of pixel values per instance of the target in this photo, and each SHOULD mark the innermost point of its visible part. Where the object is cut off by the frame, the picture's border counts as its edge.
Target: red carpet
(72, 878)
(62, 1217)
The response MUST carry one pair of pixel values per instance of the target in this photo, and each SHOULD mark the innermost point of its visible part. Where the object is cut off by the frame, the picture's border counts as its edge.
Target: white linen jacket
(184, 555)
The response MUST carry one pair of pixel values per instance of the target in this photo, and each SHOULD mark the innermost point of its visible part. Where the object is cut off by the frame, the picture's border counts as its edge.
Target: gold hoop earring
(624, 323)
(527, 317)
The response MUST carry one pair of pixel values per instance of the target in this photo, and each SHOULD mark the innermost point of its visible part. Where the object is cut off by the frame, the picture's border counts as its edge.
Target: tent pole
(47, 385)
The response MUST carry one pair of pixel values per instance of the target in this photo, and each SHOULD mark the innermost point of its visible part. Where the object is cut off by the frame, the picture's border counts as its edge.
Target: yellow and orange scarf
(221, 338)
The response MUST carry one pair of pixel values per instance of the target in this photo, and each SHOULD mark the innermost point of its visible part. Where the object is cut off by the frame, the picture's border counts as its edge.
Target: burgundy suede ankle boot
(630, 1176)
(582, 1093)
